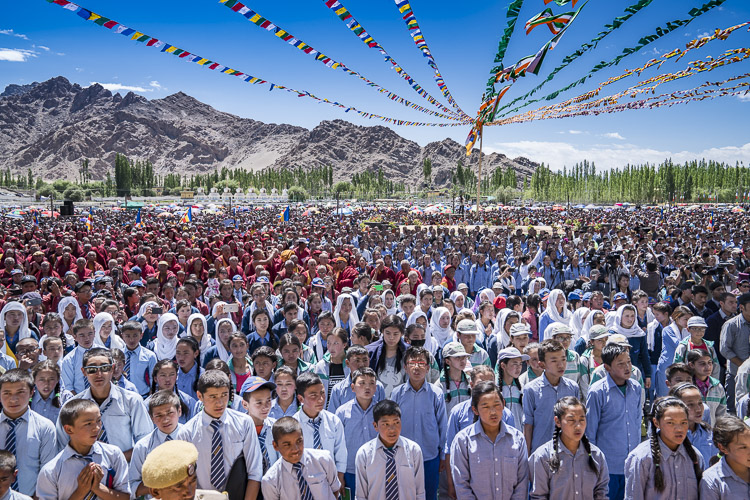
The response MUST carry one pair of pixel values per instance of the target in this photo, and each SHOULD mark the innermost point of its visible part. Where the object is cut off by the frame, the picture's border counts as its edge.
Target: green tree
(48, 191)
(74, 193)
(427, 171)
(342, 188)
(297, 193)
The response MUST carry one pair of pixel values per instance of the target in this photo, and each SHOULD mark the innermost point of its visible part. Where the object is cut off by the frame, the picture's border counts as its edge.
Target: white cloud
(16, 55)
(704, 34)
(613, 135)
(116, 87)
(575, 132)
(744, 97)
(10, 32)
(155, 85)
(559, 154)
(42, 47)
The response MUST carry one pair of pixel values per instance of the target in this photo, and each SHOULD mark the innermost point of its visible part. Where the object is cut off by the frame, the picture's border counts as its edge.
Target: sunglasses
(93, 370)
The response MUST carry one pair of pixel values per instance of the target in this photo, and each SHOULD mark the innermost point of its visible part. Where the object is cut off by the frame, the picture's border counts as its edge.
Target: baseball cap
(17, 271)
(606, 305)
(558, 328)
(510, 353)
(574, 296)
(252, 384)
(697, 321)
(263, 279)
(137, 283)
(318, 282)
(135, 269)
(619, 339)
(544, 293)
(462, 286)
(518, 329)
(620, 296)
(28, 279)
(454, 350)
(466, 327)
(237, 277)
(598, 331)
(586, 296)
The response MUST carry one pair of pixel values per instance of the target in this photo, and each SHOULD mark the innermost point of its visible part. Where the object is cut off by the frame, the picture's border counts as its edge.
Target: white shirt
(140, 451)
(319, 469)
(331, 435)
(35, 446)
(370, 464)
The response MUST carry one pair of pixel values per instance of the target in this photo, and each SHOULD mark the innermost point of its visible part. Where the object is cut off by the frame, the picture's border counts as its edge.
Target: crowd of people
(385, 355)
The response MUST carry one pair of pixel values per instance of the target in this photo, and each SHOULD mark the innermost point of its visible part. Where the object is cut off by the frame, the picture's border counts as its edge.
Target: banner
(555, 22)
(512, 16)
(149, 41)
(284, 35)
(356, 28)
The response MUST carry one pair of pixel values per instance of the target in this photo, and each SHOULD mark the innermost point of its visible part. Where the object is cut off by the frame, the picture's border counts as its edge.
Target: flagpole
(479, 176)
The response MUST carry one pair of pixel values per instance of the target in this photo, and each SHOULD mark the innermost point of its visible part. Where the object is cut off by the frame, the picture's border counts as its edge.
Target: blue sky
(39, 41)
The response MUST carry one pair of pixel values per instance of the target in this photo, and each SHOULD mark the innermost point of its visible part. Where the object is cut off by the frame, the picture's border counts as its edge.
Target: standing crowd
(321, 357)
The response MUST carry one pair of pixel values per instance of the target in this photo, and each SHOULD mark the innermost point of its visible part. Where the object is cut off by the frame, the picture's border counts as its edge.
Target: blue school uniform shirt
(343, 393)
(482, 468)
(575, 477)
(14, 495)
(59, 478)
(539, 398)
(237, 436)
(125, 419)
(6, 362)
(332, 436)
(277, 412)
(46, 408)
(358, 429)
(72, 377)
(35, 446)
(721, 482)
(614, 420)
(141, 450)
(703, 440)
(193, 406)
(185, 381)
(126, 384)
(427, 421)
(677, 468)
(462, 416)
(142, 363)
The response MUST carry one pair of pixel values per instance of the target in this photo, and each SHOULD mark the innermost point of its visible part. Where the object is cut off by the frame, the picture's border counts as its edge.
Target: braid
(520, 391)
(656, 457)
(56, 398)
(587, 446)
(696, 465)
(554, 462)
(183, 405)
(447, 376)
(64, 342)
(500, 374)
(197, 371)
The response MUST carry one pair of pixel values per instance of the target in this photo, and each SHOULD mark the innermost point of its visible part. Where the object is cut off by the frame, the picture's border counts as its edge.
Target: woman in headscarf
(69, 311)
(165, 344)
(198, 329)
(536, 285)
(217, 313)
(440, 326)
(149, 321)
(557, 311)
(500, 338)
(576, 322)
(14, 322)
(486, 294)
(389, 301)
(595, 317)
(459, 300)
(345, 313)
(105, 332)
(626, 324)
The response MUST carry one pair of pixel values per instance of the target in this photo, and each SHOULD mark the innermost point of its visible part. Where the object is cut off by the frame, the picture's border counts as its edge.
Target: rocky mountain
(51, 126)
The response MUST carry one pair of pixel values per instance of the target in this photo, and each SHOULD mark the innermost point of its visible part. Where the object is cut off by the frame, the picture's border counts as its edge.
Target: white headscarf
(500, 319)
(205, 343)
(441, 335)
(488, 295)
(23, 328)
(64, 302)
(454, 296)
(163, 347)
(116, 342)
(353, 317)
(394, 309)
(634, 330)
(142, 311)
(589, 322)
(220, 349)
(552, 307)
(429, 341)
(579, 316)
(542, 284)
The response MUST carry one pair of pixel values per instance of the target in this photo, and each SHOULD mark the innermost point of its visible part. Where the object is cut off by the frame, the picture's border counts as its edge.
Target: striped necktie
(88, 459)
(168, 438)
(304, 488)
(218, 477)
(264, 450)
(391, 478)
(126, 370)
(316, 433)
(10, 443)
(103, 433)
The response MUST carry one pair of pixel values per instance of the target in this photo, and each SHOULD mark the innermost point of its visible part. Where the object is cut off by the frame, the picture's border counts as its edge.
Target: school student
(699, 431)
(118, 378)
(221, 436)
(357, 417)
(614, 408)
(164, 408)
(428, 421)
(302, 473)
(264, 362)
(575, 370)
(331, 369)
(453, 379)
(729, 477)
(8, 474)
(187, 356)
(23, 432)
(466, 334)
(285, 404)
(389, 466)
(321, 429)
(541, 394)
(697, 328)
(139, 361)
(86, 467)
(290, 348)
(534, 369)
(569, 466)
(667, 465)
(124, 417)
(711, 389)
(52, 349)
(356, 359)
(169, 472)
(72, 376)
(256, 400)
(49, 395)
(509, 365)
(489, 459)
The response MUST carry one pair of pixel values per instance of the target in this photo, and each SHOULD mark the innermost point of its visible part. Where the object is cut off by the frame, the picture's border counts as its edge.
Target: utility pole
(479, 177)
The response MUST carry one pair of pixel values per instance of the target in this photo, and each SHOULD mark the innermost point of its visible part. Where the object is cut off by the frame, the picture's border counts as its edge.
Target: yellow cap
(169, 463)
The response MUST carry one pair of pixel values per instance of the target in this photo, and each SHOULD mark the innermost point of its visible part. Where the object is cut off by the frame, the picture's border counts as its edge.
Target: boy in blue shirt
(256, 400)
(86, 467)
(8, 475)
(428, 421)
(614, 409)
(139, 361)
(72, 378)
(23, 432)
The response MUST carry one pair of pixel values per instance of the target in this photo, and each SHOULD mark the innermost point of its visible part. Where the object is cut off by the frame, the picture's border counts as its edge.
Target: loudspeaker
(66, 209)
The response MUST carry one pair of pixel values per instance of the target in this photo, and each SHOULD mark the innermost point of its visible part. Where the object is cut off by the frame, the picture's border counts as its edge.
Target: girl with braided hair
(729, 477)
(569, 466)
(699, 432)
(667, 465)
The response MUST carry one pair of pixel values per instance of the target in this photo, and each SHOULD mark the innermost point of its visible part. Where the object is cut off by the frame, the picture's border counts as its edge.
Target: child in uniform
(72, 376)
(711, 389)
(48, 394)
(139, 361)
(356, 359)
(8, 474)
(729, 477)
(256, 400)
